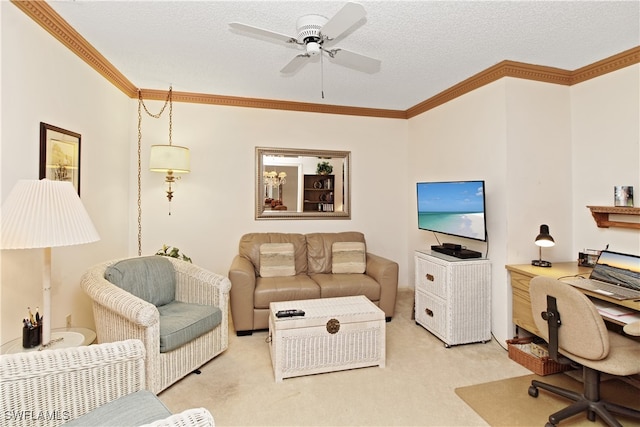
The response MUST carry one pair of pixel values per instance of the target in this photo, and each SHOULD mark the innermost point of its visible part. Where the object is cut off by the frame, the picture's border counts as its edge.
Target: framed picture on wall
(60, 155)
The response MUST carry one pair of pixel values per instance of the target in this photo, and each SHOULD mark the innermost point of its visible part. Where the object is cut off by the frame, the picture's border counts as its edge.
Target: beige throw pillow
(276, 260)
(348, 257)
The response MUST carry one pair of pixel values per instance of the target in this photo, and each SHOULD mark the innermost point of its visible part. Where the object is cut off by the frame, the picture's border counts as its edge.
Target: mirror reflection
(301, 184)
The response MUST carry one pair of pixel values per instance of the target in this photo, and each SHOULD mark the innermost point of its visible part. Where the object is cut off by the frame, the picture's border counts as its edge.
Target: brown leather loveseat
(273, 267)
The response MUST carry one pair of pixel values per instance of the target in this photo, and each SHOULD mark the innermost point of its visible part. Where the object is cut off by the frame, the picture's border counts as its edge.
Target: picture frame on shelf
(60, 154)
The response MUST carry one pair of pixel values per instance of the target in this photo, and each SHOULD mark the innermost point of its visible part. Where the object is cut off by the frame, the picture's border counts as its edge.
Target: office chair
(576, 333)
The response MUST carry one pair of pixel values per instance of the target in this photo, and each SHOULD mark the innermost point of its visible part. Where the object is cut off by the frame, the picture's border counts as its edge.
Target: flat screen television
(456, 208)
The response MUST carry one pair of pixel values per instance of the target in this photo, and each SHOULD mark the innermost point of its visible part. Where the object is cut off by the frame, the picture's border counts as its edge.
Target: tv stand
(456, 251)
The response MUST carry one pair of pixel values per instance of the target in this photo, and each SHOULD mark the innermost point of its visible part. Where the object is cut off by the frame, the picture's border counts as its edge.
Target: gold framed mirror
(302, 184)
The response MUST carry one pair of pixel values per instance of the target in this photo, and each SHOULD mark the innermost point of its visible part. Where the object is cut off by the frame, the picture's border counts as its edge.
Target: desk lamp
(45, 214)
(543, 240)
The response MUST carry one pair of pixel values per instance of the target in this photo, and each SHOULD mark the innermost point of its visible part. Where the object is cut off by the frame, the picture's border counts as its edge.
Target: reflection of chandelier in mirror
(274, 179)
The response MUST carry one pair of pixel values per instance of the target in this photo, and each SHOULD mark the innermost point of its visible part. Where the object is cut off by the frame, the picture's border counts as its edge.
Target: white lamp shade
(44, 214)
(170, 158)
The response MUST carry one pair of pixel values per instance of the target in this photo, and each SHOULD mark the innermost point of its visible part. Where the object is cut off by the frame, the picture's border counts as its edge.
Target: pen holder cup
(31, 337)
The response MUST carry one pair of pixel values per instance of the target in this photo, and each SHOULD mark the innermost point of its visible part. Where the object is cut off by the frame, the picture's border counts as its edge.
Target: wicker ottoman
(335, 334)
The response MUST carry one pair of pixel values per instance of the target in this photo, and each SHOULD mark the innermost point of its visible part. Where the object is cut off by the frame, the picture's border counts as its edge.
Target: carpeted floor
(416, 388)
(506, 402)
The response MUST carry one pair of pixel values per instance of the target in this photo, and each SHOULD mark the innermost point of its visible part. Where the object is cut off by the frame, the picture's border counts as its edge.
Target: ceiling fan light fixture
(313, 48)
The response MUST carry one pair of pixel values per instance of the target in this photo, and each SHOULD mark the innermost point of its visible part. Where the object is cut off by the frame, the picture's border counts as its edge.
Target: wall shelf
(601, 216)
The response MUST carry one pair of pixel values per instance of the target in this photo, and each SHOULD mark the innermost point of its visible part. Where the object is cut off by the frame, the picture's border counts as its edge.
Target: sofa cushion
(134, 409)
(182, 322)
(273, 289)
(319, 249)
(348, 257)
(249, 248)
(276, 260)
(345, 285)
(150, 278)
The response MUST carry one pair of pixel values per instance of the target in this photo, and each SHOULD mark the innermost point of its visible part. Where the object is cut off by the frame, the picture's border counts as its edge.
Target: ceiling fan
(316, 33)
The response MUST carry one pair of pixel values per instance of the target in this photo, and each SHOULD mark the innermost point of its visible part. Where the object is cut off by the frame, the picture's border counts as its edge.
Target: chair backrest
(582, 332)
(151, 278)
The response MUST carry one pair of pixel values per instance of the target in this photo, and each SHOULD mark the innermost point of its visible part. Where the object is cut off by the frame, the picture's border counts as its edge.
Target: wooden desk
(521, 275)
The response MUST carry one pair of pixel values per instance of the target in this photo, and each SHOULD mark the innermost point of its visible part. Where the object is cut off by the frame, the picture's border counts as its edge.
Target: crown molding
(47, 18)
(234, 101)
(608, 65)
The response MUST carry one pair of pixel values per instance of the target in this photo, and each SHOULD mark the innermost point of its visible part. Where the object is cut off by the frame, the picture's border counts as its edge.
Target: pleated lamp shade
(170, 158)
(45, 214)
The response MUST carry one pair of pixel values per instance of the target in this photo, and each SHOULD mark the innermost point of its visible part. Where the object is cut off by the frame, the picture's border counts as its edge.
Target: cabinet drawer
(432, 314)
(431, 277)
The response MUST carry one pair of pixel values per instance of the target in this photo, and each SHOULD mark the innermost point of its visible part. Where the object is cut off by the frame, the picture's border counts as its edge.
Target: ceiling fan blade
(296, 63)
(355, 60)
(261, 32)
(343, 20)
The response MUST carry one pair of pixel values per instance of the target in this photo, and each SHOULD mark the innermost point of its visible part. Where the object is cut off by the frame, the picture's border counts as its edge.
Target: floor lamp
(45, 214)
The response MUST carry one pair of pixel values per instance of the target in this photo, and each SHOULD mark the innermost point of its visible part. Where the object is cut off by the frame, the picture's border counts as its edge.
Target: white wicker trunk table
(335, 334)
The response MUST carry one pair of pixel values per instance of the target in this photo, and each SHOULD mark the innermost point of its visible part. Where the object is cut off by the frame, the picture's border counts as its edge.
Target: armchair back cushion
(151, 278)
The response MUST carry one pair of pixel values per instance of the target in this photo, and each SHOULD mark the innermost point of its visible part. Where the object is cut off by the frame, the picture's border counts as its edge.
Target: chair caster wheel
(533, 392)
(549, 425)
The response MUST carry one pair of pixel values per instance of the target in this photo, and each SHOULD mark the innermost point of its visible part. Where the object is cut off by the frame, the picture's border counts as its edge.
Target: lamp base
(541, 263)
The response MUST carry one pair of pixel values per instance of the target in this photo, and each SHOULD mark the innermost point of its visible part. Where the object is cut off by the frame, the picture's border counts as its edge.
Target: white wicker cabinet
(453, 297)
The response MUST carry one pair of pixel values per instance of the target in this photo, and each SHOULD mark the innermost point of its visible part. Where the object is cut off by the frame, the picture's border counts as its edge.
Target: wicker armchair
(53, 387)
(120, 315)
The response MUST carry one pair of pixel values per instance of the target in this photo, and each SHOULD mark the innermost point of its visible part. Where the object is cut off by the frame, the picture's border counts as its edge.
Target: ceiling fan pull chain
(321, 75)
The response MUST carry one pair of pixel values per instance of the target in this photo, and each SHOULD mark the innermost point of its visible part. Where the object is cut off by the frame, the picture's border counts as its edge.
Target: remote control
(289, 313)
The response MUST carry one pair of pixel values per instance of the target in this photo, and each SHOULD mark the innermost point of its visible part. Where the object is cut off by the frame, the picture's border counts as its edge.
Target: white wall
(42, 81)
(605, 116)
(213, 206)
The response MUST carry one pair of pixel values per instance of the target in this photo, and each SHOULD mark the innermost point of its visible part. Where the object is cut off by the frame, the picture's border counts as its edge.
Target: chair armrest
(385, 272)
(243, 285)
(198, 417)
(116, 300)
(196, 285)
(69, 382)
(632, 328)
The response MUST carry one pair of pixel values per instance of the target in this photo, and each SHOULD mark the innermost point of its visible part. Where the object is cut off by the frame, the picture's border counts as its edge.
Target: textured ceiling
(425, 46)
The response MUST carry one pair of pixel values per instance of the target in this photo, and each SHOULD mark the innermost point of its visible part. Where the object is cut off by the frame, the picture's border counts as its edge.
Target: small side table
(71, 337)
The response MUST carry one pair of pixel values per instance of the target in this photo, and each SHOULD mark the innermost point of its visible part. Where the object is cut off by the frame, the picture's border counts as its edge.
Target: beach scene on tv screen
(452, 208)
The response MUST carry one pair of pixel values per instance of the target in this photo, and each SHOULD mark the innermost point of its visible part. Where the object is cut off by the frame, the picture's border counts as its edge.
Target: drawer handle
(430, 277)
(429, 312)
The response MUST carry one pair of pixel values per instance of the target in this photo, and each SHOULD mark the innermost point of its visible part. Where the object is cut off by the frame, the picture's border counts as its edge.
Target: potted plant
(173, 253)
(324, 168)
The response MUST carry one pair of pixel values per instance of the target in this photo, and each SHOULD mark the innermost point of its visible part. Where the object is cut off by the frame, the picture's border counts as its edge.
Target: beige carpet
(416, 388)
(507, 403)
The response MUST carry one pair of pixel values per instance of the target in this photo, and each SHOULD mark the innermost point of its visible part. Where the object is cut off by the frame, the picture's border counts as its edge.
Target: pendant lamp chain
(142, 105)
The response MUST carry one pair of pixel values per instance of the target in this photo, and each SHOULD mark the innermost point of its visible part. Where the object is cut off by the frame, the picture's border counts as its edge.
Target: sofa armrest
(385, 272)
(243, 285)
(68, 382)
(196, 417)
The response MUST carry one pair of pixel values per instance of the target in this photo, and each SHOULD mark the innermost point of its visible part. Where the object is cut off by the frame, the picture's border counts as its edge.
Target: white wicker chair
(51, 387)
(120, 315)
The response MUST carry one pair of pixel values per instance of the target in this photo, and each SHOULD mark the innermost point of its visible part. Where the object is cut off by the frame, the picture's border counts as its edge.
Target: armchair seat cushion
(182, 322)
(286, 288)
(134, 409)
(346, 285)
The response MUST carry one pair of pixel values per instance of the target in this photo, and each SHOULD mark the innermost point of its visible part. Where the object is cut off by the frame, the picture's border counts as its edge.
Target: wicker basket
(538, 365)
